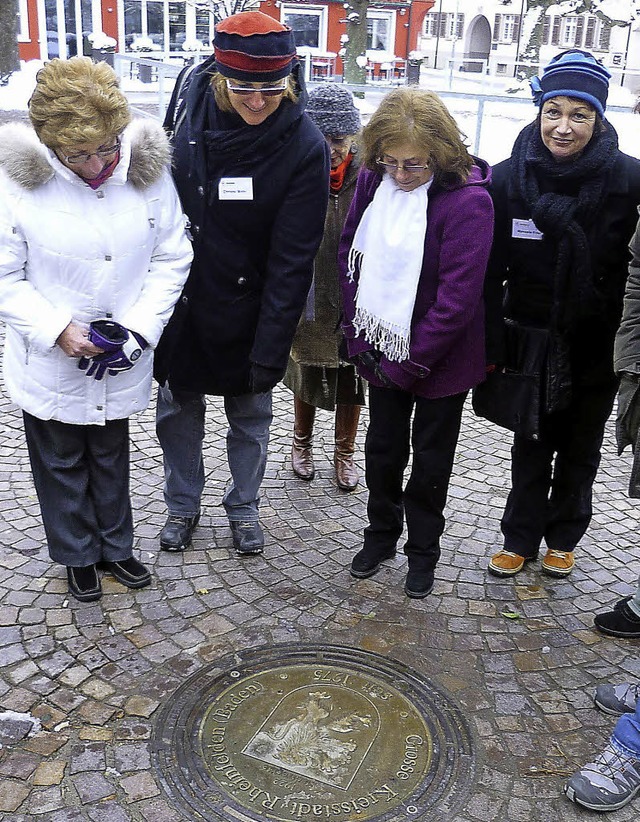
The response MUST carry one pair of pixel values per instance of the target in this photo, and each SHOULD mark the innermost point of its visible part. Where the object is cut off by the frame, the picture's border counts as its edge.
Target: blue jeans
(626, 734)
(180, 429)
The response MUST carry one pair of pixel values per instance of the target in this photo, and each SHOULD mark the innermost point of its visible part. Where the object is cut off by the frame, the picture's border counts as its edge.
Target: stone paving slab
(519, 657)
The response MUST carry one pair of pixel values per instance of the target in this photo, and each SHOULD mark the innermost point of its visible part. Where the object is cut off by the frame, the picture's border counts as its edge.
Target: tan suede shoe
(558, 563)
(507, 564)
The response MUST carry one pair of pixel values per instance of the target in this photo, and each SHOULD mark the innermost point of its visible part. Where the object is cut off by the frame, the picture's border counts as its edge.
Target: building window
(569, 31)
(177, 26)
(145, 18)
(309, 25)
(430, 28)
(204, 27)
(508, 28)
(67, 25)
(23, 22)
(381, 31)
(447, 26)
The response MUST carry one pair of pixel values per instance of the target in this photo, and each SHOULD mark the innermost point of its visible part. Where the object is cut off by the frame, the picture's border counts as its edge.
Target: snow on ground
(501, 121)
(15, 95)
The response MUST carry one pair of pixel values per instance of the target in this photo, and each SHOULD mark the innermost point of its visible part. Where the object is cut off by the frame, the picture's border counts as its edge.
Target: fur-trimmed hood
(27, 161)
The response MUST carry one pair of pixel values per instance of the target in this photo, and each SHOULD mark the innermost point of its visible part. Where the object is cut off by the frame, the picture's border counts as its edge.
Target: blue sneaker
(607, 783)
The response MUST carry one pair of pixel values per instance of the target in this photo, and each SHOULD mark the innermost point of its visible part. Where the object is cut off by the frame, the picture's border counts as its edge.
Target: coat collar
(144, 154)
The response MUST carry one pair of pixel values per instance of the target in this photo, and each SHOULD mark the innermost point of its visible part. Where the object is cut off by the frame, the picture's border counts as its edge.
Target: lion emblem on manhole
(316, 734)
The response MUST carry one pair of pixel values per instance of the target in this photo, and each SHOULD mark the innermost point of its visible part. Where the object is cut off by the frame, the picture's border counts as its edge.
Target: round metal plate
(302, 732)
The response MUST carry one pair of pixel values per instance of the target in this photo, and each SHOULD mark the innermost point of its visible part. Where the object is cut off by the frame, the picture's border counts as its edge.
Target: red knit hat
(253, 47)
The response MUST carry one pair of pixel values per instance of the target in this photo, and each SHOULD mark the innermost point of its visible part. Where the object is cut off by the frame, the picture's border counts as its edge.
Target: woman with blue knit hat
(316, 373)
(251, 170)
(565, 209)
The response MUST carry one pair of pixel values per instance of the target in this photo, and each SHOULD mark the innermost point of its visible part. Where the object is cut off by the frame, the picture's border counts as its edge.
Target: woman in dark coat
(412, 261)
(566, 207)
(316, 374)
(252, 171)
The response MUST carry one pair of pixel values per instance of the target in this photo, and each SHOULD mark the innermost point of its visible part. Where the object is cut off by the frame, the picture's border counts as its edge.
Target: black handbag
(512, 396)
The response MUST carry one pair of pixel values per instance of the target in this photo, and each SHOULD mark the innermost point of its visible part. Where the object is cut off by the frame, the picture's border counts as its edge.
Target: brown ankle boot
(347, 417)
(301, 453)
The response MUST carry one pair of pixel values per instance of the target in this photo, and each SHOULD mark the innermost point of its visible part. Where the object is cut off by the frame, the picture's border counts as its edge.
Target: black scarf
(572, 195)
(221, 140)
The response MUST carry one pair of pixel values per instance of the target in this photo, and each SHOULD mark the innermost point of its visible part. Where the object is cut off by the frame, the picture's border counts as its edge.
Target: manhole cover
(300, 732)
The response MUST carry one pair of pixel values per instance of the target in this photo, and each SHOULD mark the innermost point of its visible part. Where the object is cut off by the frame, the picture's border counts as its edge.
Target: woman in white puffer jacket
(91, 229)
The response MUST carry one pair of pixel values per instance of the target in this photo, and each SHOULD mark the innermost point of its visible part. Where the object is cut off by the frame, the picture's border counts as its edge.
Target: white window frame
(431, 23)
(452, 27)
(569, 32)
(508, 27)
(122, 35)
(321, 12)
(96, 24)
(379, 14)
(191, 26)
(23, 34)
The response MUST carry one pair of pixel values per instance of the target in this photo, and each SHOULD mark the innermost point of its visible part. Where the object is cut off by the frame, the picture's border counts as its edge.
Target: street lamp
(438, 23)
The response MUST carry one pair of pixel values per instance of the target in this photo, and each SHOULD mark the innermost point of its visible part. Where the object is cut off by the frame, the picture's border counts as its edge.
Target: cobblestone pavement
(95, 674)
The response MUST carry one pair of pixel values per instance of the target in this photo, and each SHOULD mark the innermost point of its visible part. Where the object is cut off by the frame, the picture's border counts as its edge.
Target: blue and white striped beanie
(573, 73)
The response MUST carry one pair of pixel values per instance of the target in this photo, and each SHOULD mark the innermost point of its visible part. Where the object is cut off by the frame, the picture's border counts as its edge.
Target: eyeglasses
(85, 156)
(394, 168)
(266, 91)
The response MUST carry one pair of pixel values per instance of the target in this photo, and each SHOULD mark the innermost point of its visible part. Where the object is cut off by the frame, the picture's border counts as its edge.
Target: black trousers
(551, 499)
(81, 475)
(432, 437)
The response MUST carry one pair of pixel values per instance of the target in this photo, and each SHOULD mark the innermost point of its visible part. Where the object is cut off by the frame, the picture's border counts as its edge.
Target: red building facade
(52, 28)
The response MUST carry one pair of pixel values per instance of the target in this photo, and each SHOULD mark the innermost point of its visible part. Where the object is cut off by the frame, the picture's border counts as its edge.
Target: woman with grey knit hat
(316, 374)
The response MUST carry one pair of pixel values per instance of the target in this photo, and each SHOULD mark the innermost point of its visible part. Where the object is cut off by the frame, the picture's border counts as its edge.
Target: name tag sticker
(525, 230)
(235, 188)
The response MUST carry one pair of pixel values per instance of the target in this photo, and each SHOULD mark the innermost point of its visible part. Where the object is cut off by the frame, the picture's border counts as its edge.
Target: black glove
(371, 361)
(263, 379)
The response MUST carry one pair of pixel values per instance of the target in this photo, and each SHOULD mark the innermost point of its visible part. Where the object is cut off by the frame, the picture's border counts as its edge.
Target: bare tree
(222, 8)
(9, 61)
(355, 44)
(534, 20)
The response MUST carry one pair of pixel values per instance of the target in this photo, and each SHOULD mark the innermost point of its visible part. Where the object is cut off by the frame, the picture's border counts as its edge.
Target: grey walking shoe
(177, 532)
(617, 699)
(607, 783)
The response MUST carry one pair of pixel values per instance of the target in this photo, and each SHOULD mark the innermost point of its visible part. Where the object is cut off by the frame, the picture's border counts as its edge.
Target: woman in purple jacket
(412, 261)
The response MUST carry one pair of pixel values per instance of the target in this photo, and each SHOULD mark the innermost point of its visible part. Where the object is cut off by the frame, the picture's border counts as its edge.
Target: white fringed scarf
(388, 248)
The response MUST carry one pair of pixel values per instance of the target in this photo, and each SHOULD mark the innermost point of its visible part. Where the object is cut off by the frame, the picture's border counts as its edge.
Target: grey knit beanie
(332, 109)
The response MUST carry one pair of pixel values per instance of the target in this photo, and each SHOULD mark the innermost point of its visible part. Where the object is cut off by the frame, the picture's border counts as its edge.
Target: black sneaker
(129, 572)
(248, 538)
(368, 561)
(419, 584)
(623, 623)
(84, 583)
(177, 532)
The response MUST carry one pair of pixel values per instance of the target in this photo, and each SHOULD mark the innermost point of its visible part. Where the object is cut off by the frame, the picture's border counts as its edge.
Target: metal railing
(165, 73)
